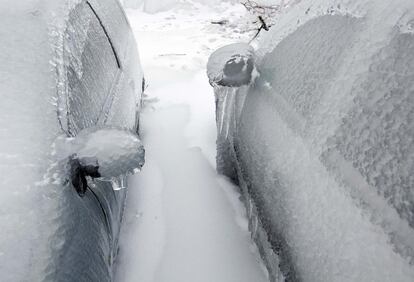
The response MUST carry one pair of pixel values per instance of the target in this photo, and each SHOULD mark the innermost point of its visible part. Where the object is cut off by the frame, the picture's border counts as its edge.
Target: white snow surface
(183, 222)
(155, 6)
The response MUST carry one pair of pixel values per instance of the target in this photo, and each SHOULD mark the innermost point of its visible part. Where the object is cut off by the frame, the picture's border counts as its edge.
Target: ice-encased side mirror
(232, 66)
(116, 151)
(104, 153)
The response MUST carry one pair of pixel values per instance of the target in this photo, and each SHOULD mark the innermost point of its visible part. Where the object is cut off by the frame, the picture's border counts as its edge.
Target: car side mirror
(104, 153)
(232, 66)
(115, 151)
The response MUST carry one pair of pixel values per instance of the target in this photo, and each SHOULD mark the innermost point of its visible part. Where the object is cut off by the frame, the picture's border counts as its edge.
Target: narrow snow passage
(183, 222)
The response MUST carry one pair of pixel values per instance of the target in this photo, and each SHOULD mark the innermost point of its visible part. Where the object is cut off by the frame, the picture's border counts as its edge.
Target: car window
(92, 68)
(377, 135)
(302, 64)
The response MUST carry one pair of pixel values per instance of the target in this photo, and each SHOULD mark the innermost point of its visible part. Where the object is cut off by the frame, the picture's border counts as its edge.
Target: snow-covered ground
(183, 222)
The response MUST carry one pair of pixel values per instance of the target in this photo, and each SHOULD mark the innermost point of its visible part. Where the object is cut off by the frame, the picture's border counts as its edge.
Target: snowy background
(183, 221)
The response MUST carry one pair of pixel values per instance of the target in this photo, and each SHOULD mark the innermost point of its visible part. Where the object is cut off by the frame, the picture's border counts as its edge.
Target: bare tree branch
(264, 13)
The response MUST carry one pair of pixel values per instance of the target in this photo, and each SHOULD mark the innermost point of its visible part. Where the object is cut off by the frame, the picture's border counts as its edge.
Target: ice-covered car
(319, 134)
(71, 87)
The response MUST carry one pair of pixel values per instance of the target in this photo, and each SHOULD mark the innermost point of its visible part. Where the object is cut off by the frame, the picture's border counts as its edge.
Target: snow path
(183, 222)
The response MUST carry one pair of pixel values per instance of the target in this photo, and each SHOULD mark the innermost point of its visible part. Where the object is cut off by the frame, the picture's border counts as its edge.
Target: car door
(93, 82)
(124, 108)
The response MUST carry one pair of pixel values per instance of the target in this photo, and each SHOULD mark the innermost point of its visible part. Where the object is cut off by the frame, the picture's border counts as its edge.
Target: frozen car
(71, 88)
(317, 127)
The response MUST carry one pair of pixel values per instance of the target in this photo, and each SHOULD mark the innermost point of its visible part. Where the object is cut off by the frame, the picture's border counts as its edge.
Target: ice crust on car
(232, 65)
(41, 217)
(119, 152)
(322, 143)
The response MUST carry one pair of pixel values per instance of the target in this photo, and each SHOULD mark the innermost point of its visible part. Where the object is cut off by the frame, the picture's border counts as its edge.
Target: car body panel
(322, 145)
(49, 233)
